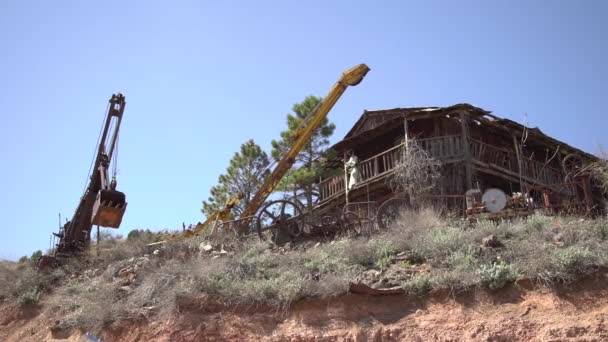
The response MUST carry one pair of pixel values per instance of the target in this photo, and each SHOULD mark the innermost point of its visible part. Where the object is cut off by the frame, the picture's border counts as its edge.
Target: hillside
(541, 278)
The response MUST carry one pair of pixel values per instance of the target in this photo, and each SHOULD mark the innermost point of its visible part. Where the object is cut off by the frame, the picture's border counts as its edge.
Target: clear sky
(202, 77)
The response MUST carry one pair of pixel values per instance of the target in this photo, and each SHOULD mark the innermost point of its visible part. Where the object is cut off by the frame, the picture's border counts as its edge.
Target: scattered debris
(491, 241)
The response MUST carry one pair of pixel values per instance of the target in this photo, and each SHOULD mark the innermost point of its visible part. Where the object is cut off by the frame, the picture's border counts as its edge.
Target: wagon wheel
(389, 211)
(572, 164)
(277, 222)
(328, 220)
(328, 226)
(352, 222)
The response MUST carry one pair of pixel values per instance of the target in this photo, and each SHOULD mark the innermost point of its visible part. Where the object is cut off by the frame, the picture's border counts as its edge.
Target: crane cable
(115, 158)
(95, 151)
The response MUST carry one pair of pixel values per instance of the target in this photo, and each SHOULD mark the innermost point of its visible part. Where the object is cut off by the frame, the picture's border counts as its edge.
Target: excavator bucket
(109, 208)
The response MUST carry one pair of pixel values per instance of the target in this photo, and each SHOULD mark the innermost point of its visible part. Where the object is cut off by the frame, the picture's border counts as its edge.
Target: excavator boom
(351, 77)
(310, 124)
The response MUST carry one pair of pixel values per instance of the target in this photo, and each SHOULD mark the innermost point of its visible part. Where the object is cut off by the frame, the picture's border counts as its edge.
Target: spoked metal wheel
(389, 211)
(280, 222)
(572, 165)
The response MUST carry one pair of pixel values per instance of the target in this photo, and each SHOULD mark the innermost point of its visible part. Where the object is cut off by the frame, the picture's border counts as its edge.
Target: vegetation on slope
(418, 254)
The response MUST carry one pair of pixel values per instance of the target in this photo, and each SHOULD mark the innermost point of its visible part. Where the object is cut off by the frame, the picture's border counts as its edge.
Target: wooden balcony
(443, 148)
(446, 149)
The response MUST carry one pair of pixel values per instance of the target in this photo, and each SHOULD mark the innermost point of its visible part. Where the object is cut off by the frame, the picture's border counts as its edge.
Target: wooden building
(476, 149)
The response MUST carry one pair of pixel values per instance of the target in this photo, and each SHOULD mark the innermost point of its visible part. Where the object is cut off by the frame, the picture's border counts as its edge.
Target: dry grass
(420, 252)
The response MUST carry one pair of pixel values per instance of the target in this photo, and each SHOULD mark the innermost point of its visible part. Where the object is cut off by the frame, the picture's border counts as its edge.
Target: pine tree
(245, 173)
(308, 168)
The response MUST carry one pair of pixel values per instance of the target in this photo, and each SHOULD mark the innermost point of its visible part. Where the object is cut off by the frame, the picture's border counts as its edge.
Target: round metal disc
(494, 200)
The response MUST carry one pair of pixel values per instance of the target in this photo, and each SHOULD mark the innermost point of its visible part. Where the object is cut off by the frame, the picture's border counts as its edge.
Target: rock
(205, 247)
(365, 289)
(420, 312)
(125, 289)
(491, 241)
(129, 279)
(369, 277)
(91, 273)
(123, 272)
(559, 239)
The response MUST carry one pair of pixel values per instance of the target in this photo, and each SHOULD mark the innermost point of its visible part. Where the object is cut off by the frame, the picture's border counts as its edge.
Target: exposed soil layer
(522, 312)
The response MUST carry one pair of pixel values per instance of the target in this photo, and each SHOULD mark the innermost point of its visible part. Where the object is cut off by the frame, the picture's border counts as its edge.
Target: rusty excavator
(101, 204)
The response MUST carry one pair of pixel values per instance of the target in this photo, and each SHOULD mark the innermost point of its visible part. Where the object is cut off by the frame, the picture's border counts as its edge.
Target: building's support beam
(518, 155)
(467, 154)
(345, 178)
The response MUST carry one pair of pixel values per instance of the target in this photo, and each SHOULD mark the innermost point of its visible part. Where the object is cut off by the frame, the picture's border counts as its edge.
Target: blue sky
(202, 77)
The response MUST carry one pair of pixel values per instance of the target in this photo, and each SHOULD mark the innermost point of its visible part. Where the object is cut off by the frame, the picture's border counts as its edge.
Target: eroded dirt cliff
(522, 312)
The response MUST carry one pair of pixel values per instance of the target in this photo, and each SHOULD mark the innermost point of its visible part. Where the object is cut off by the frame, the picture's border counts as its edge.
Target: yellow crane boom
(350, 77)
(309, 125)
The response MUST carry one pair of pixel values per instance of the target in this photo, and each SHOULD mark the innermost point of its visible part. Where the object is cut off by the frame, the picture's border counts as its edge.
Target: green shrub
(419, 284)
(574, 260)
(324, 260)
(601, 227)
(29, 296)
(536, 223)
(383, 251)
(497, 275)
(463, 259)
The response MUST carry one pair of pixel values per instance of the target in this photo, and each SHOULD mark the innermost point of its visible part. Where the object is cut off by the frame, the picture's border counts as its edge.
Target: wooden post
(518, 155)
(345, 179)
(467, 154)
(376, 166)
(587, 192)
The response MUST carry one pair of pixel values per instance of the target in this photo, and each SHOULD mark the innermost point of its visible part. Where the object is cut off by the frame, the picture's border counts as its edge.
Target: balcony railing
(442, 148)
(331, 187)
(534, 171)
(380, 164)
(445, 148)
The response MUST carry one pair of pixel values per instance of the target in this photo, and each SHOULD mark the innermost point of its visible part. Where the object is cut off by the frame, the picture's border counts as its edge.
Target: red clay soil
(578, 312)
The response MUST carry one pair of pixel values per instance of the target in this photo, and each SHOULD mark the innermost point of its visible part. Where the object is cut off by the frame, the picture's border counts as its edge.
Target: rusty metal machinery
(282, 220)
(101, 204)
(277, 220)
